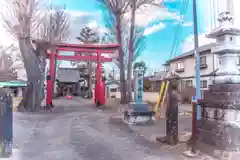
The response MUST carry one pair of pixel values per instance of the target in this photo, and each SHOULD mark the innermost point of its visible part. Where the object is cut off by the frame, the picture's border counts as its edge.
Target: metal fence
(6, 123)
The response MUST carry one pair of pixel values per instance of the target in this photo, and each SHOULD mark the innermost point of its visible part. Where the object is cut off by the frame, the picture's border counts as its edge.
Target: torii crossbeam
(99, 97)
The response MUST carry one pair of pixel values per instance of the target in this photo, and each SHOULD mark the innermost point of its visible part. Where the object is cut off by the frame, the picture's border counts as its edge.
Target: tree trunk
(121, 63)
(131, 51)
(90, 95)
(35, 67)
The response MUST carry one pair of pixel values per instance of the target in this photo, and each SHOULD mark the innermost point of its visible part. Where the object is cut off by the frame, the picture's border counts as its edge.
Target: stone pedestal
(138, 113)
(219, 126)
(172, 117)
(6, 123)
(19, 92)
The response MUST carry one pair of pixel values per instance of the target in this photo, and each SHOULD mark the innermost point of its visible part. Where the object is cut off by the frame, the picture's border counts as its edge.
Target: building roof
(159, 76)
(191, 52)
(13, 84)
(68, 75)
(112, 82)
(7, 75)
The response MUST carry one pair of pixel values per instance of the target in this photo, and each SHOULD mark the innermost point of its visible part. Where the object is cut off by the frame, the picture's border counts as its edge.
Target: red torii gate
(99, 96)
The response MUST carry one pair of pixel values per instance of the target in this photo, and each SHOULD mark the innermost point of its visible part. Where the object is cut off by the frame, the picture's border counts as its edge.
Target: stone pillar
(138, 112)
(19, 92)
(6, 123)
(172, 113)
(138, 86)
(108, 91)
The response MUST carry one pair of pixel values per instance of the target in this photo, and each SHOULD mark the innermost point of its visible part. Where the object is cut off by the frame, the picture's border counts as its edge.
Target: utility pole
(197, 57)
(195, 107)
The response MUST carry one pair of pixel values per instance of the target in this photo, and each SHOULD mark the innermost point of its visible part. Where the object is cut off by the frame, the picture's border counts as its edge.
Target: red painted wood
(90, 46)
(83, 50)
(98, 81)
(51, 80)
(81, 58)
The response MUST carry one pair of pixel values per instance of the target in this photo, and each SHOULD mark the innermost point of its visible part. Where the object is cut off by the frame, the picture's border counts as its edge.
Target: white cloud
(147, 14)
(189, 42)
(77, 20)
(188, 24)
(95, 26)
(6, 38)
(78, 13)
(152, 29)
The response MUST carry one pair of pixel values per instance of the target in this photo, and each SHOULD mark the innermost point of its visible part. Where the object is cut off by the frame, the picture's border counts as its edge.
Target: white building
(211, 8)
(184, 65)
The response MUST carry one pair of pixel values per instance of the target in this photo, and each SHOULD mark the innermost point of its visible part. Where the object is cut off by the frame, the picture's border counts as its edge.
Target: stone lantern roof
(226, 26)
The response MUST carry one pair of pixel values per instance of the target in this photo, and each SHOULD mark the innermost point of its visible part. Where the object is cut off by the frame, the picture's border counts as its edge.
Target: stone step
(222, 96)
(224, 88)
(222, 127)
(220, 103)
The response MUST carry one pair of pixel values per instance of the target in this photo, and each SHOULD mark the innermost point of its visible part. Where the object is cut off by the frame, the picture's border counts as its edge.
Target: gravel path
(77, 131)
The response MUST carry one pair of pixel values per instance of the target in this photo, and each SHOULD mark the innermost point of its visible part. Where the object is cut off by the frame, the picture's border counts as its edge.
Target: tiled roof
(159, 76)
(68, 75)
(111, 82)
(191, 52)
(7, 76)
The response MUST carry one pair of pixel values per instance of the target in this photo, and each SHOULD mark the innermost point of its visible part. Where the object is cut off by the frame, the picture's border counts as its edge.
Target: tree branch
(27, 19)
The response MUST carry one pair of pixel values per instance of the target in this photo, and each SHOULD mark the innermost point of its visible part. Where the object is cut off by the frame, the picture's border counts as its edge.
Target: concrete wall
(147, 96)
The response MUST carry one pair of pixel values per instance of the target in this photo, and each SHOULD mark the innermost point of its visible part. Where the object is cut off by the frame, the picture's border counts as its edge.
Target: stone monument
(138, 111)
(219, 126)
(6, 123)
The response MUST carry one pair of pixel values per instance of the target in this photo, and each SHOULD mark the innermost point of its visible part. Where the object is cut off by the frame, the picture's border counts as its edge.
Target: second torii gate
(99, 97)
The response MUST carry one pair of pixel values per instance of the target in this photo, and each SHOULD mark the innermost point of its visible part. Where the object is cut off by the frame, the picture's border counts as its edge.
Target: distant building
(156, 80)
(184, 66)
(68, 80)
(7, 73)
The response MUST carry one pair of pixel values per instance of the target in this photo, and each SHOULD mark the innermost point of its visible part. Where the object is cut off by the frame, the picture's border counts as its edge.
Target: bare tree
(135, 4)
(7, 60)
(128, 50)
(37, 30)
(117, 9)
(139, 44)
(88, 35)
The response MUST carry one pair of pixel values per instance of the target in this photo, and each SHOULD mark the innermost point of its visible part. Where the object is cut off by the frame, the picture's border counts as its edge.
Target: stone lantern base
(138, 113)
(219, 126)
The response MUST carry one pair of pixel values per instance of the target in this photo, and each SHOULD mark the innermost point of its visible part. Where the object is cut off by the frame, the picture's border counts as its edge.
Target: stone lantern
(226, 49)
(219, 126)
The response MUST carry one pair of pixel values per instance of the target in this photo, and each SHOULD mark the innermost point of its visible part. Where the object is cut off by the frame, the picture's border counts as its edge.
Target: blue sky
(159, 42)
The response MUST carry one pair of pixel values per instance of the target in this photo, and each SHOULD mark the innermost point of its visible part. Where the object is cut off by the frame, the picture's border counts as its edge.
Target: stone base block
(140, 107)
(138, 113)
(16, 155)
(217, 153)
(220, 134)
(219, 127)
(142, 120)
(189, 155)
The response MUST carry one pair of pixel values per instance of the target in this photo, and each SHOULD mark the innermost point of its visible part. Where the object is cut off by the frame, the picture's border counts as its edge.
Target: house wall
(21, 74)
(189, 65)
(155, 86)
(188, 73)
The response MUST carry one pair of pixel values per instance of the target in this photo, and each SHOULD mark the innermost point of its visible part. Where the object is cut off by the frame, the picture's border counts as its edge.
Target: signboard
(138, 86)
(194, 100)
